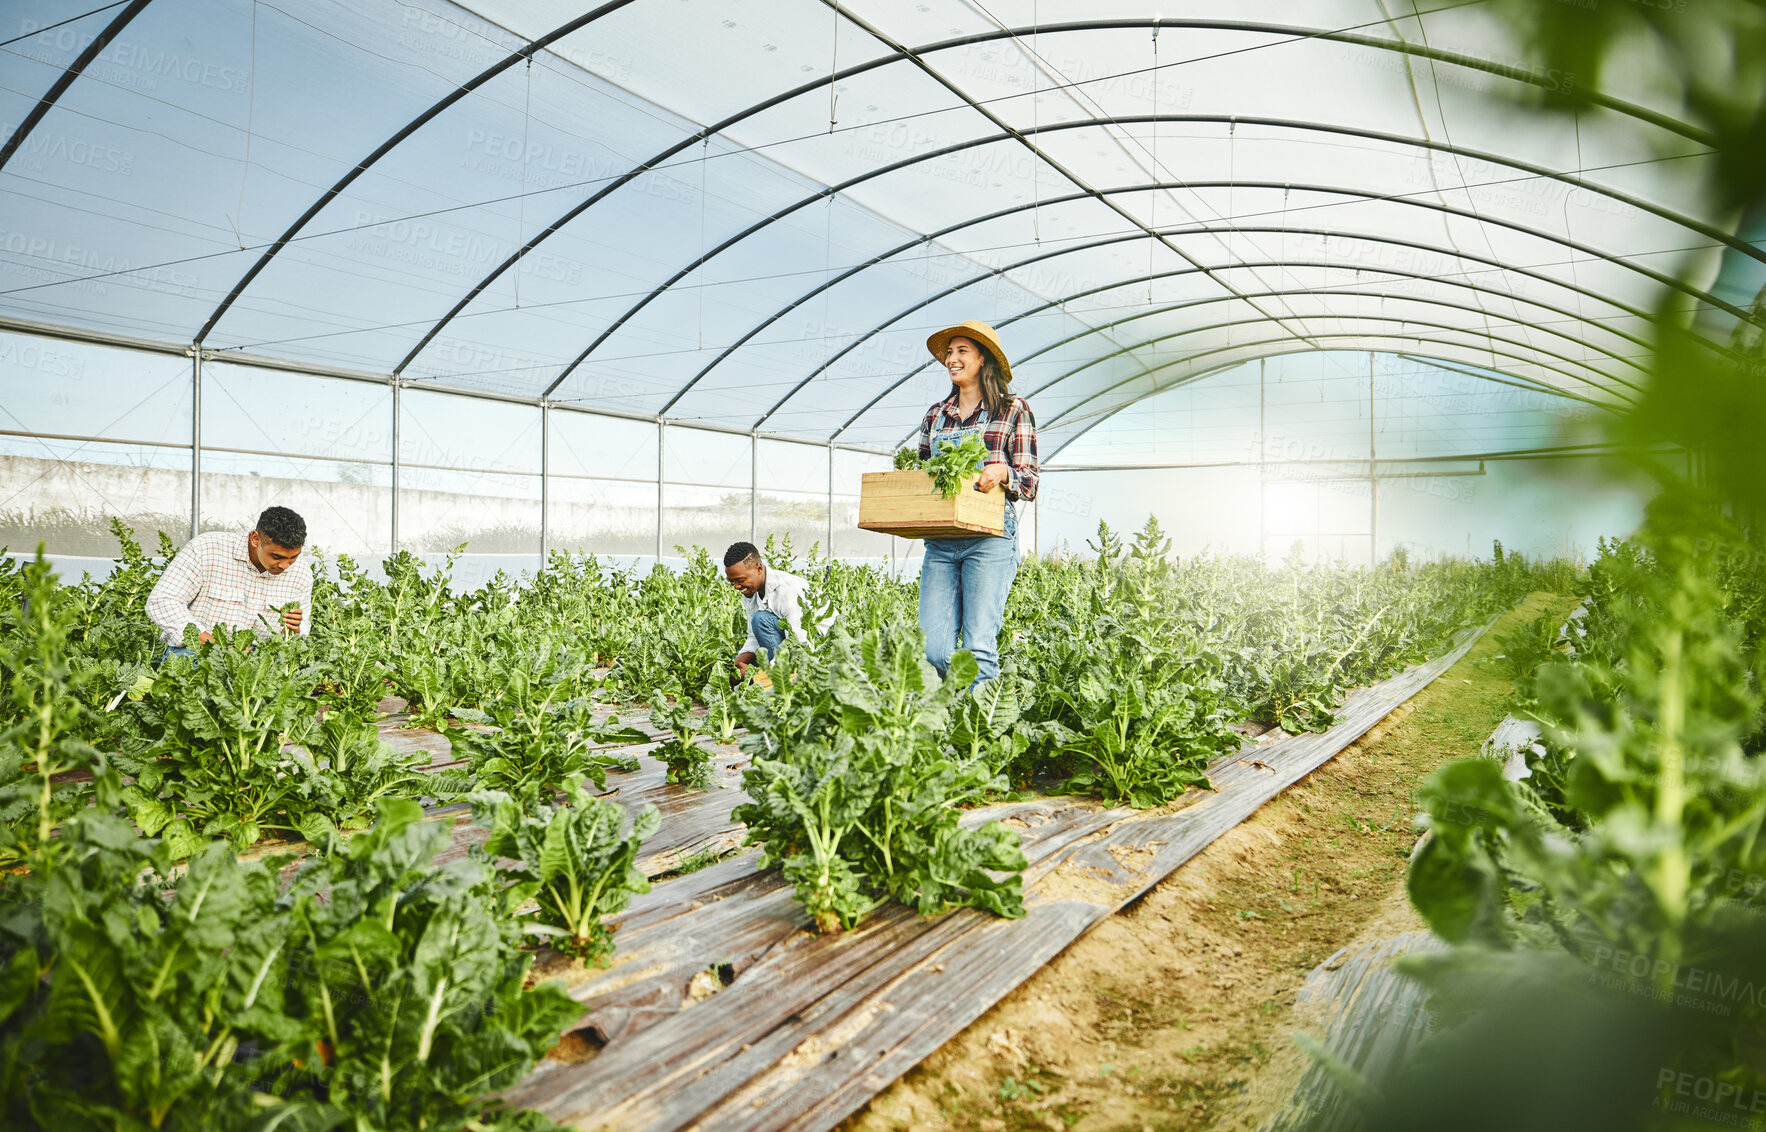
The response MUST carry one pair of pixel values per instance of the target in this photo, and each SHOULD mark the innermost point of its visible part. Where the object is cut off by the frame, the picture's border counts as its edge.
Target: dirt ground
(1177, 1013)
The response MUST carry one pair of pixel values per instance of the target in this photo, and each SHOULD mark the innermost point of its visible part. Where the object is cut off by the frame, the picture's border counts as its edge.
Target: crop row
(1613, 895)
(131, 930)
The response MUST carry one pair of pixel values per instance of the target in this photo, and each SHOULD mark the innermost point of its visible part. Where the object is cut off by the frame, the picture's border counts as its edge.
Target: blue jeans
(768, 633)
(963, 586)
(171, 651)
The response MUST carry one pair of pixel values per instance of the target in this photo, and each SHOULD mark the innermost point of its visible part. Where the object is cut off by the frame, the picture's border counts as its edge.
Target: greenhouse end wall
(1541, 508)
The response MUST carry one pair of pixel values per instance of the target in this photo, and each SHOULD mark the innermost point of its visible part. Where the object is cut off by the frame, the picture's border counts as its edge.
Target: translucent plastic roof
(752, 213)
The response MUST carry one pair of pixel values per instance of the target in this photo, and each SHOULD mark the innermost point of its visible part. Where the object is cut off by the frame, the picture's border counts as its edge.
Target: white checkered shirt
(212, 582)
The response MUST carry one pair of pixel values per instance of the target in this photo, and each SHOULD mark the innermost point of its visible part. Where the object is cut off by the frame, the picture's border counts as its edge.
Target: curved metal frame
(915, 54)
(1632, 110)
(1371, 294)
(1216, 370)
(1438, 326)
(1212, 370)
(1627, 308)
(1696, 226)
(1157, 187)
(1210, 301)
(391, 143)
(67, 77)
(1647, 272)
(1542, 387)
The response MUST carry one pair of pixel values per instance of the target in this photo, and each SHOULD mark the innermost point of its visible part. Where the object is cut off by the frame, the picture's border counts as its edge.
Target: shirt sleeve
(926, 431)
(168, 605)
(1020, 451)
(750, 644)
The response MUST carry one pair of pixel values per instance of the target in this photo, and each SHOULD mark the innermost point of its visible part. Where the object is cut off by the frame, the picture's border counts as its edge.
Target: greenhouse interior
(1267, 610)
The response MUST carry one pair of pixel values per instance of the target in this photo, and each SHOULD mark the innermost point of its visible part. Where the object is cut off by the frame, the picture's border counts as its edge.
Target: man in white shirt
(768, 597)
(240, 581)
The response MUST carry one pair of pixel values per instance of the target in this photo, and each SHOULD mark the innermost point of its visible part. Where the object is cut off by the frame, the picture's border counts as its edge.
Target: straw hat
(977, 331)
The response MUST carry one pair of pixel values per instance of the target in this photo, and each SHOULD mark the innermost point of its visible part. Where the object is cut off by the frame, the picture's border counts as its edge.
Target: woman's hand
(994, 475)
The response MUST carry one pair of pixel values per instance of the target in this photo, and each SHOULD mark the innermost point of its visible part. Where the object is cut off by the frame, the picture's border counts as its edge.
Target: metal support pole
(1373, 475)
(1262, 455)
(753, 487)
(396, 386)
(830, 547)
(195, 441)
(545, 480)
(660, 427)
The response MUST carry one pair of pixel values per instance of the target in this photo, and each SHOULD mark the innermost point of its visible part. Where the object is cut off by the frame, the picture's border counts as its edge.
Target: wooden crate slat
(905, 504)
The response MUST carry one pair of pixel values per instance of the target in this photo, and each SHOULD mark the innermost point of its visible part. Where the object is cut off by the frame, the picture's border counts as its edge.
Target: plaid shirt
(212, 582)
(1010, 440)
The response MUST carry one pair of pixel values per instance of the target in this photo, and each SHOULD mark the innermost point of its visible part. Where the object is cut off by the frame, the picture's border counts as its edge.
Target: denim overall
(964, 582)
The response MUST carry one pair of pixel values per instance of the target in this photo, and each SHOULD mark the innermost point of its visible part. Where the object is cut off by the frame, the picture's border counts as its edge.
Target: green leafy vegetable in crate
(951, 464)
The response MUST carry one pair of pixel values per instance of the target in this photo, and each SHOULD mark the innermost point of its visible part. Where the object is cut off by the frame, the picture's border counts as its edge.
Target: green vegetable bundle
(950, 464)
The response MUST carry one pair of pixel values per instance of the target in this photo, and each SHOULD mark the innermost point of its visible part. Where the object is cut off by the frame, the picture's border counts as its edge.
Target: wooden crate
(906, 504)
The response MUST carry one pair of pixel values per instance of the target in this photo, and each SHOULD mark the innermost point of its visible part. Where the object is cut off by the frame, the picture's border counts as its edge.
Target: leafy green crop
(209, 760)
(1656, 725)
(689, 764)
(856, 792)
(722, 715)
(907, 458)
(1529, 645)
(572, 860)
(1639, 833)
(684, 626)
(134, 996)
(533, 754)
(42, 718)
(1285, 644)
(1127, 700)
(229, 744)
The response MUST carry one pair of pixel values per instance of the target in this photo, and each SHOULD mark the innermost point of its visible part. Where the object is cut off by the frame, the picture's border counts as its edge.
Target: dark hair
(993, 385)
(740, 552)
(283, 527)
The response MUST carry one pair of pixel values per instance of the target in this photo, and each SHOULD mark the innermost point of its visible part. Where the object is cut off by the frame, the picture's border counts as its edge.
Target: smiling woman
(964, 581)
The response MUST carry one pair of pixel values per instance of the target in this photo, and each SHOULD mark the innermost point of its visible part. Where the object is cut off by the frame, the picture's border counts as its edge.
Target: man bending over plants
(772, 599)
(254, 581)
